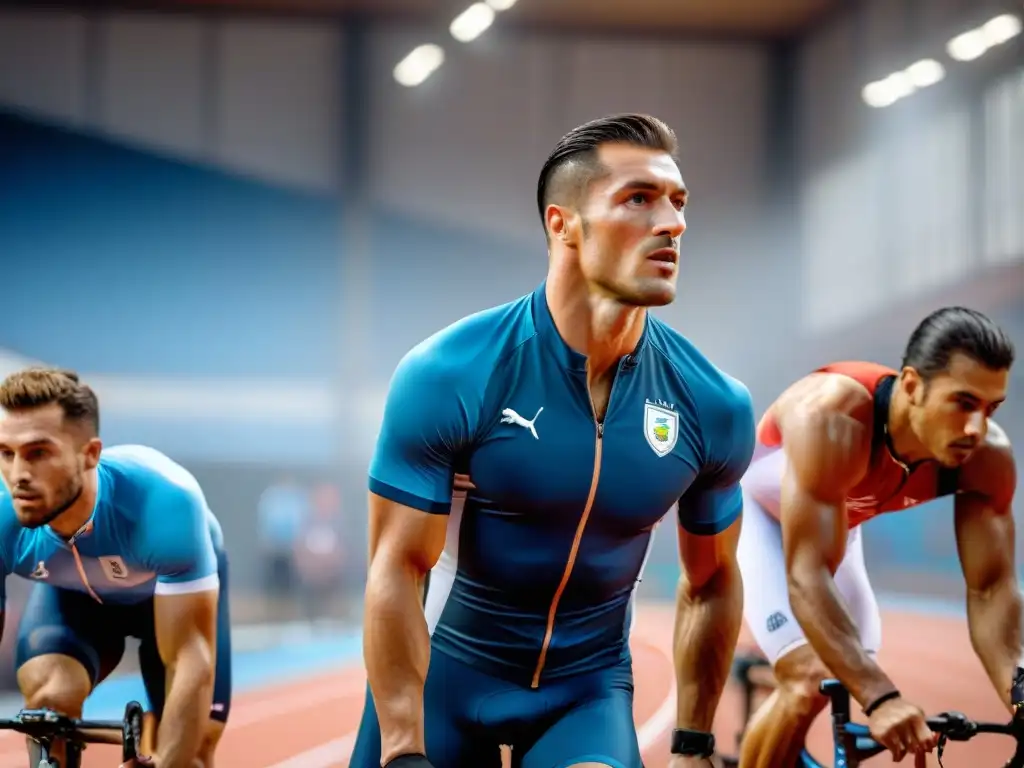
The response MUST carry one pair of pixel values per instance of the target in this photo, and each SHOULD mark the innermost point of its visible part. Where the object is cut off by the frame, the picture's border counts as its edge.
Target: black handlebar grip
(131, 733)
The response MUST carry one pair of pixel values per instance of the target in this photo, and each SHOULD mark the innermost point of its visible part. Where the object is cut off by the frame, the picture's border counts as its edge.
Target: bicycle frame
(40, 754)
(853, 744)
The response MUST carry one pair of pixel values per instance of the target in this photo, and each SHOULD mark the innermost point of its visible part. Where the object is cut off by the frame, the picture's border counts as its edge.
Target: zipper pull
(600, 430)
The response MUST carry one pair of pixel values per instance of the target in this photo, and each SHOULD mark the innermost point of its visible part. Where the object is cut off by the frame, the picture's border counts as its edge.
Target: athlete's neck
(70, 521)
(591, 321)
(905, 443)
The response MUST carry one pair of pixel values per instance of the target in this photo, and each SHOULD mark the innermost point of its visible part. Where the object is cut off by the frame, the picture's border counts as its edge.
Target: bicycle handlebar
(47, 725)
(951, 726)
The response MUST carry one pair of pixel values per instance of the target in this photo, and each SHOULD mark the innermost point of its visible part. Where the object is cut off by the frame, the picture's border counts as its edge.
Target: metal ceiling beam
(436, 17)
(224, 11)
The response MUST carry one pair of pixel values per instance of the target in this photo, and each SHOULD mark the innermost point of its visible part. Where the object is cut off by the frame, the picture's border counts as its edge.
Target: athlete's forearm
(186, 709)
(994, 619)
(396, 651)
(707, 627)
(832, 634)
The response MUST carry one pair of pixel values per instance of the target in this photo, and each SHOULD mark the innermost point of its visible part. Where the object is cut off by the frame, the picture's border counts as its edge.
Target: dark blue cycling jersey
(546, 549)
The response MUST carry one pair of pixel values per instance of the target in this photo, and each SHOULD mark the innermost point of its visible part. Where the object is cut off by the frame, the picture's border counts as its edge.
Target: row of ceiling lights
(423, 60)
(966, 46)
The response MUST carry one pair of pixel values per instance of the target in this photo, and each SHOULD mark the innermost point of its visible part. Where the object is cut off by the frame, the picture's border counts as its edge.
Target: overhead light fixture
(967, 46)
(974, 43)
(878, 95)
(472, 22)
(419, 64)
(501, 5)
(899, 85)
(1000, 29)
(925, 72)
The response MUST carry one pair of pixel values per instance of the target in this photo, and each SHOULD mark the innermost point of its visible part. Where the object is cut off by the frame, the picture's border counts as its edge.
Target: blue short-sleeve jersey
(548, 536)
(151, 532)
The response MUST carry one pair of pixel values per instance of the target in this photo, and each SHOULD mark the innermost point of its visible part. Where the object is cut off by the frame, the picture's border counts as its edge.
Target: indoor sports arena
(235, 219)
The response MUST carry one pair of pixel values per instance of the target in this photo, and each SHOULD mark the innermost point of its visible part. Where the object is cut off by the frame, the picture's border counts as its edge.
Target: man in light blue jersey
(120, 543)
(570, 421)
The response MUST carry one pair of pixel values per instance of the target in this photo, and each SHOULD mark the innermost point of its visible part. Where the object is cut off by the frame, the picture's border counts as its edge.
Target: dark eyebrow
(964, 395)
(39, 441)
(647, 186)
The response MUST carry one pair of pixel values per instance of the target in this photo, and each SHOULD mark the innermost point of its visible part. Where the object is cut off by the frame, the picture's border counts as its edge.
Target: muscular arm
(985, 542)
(174, 540)
(186, 630)
(428, 419)
(709, 611)
(709, 600)
(405, 544)
(828, 450)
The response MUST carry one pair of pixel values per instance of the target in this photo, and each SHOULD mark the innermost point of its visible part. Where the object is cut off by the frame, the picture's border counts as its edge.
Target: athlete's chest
(541, 450)
(888, 487)
(99, 564)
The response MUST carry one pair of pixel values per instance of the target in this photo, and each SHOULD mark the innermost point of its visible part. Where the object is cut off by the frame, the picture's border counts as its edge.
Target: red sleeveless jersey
(889, 484)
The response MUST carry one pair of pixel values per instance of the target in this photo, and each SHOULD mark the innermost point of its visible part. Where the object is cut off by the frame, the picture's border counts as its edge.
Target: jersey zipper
(578, 537)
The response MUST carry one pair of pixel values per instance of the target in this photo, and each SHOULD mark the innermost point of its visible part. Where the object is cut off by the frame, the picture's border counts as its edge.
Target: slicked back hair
(573, 163)
(950, 330)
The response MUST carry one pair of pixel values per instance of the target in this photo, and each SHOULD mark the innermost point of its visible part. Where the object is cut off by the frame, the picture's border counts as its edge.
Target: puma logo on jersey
(508, 416)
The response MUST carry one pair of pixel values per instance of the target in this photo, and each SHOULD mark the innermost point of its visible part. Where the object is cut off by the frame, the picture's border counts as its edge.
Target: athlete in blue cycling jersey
(119, 543)
(570, 421)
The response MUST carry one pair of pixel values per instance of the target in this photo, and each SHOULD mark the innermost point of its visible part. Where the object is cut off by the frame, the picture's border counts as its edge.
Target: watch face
(692, 743)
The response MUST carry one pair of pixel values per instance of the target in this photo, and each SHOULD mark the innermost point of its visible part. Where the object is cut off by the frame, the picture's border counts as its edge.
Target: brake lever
(956, 727)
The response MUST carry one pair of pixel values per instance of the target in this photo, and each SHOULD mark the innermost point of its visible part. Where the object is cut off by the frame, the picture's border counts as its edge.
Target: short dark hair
(950, 330)
(38, 387)
(573, 162)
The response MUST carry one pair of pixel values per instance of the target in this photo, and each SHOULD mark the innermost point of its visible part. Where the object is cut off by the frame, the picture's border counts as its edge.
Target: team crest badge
(661, 428)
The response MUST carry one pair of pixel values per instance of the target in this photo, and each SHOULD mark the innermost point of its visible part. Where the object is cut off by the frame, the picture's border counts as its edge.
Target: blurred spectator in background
(283, 511)
(319, 554)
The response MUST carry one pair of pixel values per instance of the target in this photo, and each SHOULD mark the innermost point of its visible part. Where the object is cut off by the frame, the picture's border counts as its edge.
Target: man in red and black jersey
(850, 441)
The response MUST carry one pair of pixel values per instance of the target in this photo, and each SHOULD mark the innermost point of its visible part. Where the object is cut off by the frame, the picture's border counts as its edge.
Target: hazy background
(233, 221)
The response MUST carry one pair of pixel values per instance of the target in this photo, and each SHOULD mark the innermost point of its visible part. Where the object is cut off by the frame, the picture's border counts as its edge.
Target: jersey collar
(102, 491)
(552, 339)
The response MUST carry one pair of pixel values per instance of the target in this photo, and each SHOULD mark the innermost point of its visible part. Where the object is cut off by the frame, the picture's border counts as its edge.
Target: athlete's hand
(901, 728)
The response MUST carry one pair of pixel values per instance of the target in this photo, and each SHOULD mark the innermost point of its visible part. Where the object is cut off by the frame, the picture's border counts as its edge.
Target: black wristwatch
(692, 743)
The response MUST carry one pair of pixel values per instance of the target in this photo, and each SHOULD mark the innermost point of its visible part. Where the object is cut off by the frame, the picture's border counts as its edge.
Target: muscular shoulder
(716, 394)
(144, 477)
(722, 403)
(170, 526)
(461, 357)
(824, 394)
(991, 470)
(825, 422)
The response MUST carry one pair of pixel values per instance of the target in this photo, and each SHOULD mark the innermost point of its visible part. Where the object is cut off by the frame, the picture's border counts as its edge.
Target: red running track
(310, 723)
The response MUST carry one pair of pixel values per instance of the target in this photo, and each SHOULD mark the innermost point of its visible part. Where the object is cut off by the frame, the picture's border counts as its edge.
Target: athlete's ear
(91, 451)
(912, 384)
(559, 222)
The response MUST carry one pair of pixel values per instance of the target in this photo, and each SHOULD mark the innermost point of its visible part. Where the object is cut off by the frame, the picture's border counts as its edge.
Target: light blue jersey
(151, 532)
